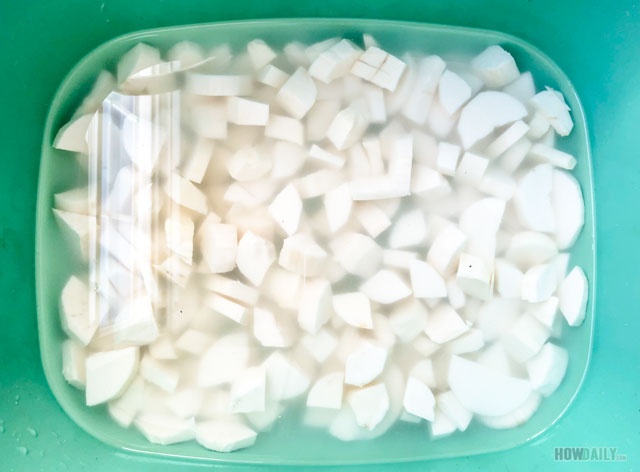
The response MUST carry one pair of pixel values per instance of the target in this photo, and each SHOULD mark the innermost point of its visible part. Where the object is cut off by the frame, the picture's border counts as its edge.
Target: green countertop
(597, 44)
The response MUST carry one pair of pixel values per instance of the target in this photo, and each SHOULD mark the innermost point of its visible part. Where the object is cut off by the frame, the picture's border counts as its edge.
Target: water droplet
(1, 428)
(54, 434)
(42, 453)
(23, 450)
(32, 432)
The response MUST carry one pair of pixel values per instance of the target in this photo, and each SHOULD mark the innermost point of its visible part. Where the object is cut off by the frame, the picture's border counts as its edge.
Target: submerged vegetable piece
(369, 236)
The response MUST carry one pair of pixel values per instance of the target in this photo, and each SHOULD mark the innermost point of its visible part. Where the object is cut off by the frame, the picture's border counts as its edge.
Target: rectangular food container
(288, 443)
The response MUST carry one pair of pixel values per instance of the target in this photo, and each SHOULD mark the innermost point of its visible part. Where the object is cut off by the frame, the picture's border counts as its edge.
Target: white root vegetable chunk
(161, 375)
(254, 257)
(523, 88)
(242, 111)
(269, 331)
(471, 168)
(108, 374)
(348, 126)
(446, 248)
(539, 283)
(419, 400)
(357, 253)
(315, 305)
(484, 391)
(327, 392)
(219, 246)
(485, 112)
(260, 53)
(248, 164)
(73, 136)
(73, 363)
(364, 364)
(426, 281)
(516, 417)
(507, 139)
(369, 405)
(372, 218)
(248, 392)
(218, 85)
(302, 255)
(525, 338)
(286, 209)
(225, 307)
(553, 107)
(77, 318)
(272, 76)
(453, 91)
(573, 296)
(165, 429)
(444, 324)
(447, 160)
(408, 320)
(386, 287)
(568, 205)
(192, 342)
(335, 62)
(233, 289)
(553, 156)
(379, 68)
(527, 249)
(441, 425)
(508, 279)
(179, 231)
(354, 308)
(409, 230)
(318, 183)
(337, 206)
(496, 67)
(454, 409)
(418, 104)
(298, 94)
(547, 368)
(533, 199)
(285, 379)
(333, 159)
(475, 277)
(184, 193)
(126, 407)
(285, 128)
(222, 362)
(224, 435)
(185, 403)
(320, 345)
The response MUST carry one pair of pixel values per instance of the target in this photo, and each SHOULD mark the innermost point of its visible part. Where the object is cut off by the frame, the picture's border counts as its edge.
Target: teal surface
(596, 45)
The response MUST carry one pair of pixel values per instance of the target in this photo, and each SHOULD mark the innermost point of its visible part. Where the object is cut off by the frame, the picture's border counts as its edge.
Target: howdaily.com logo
(591, 454)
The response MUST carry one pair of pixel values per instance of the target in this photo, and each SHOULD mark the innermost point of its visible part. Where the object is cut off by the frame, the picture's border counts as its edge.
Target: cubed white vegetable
(222, 362)
(270, 331)
(426, 281)
(419, 400)
(224, 436)
(260, 53)
(163, 348)
(454, 409)
(568, 205)
(496, 358)
(335, 62)
(108, 374)
(242, 111)
(337, 205)
(485, 112)
(78, 320)
(185, 193)
(73, 363)
(552, 105)
(209, 120)
(508, 279)
(533, 199)
(254, 257)
(179, 230)
(354, 308)
(348, 125)
(285, 128)
(187, 53)
(320, 117)
(445, 249)
(318, 183)
(539, 283)
(283, 287)
(507, 139)
(496, 316)
(555, 157)
(193, 342)
(379, 68)
(525, 338)
(428, 182)
(475, 276)
(447, 160)
(326, 392)
(386, 287)
(523, 88)
(248, 164)
(73, 136)
(185, 402)
(264, 420)
(398, 259)
(213, 85)
(364, 364)
(456, 296)
(513, 157)
(516, 417)
(573, 296)
(320, 345)
(453, 91)
(496, 67)
(196, 163)
(165, 429)
(409, 230)
(444, 324)
(357, 253)
(126, 407)
(471, 341)
(369, 405)
(248, 392)
(485, 391)
(223, 306)
(441, 425)
(285, 379)
(233, 289)
(160, 374)
(141, 56)
(546, 312)
(418, 104)
(547, 368)
(302, 255)
(408, 320)
(298, 94)
(219, 245)
(527, 249)
(331, 159)
(376, 104)
(78, 201)
(471, 168)
(272, 76)
(286, 209)
(498, 183)
(315, 305)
